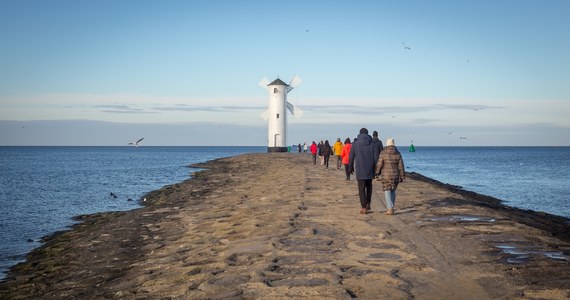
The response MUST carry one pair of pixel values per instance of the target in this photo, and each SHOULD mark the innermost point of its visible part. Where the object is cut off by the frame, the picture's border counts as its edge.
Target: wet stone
(300, 282)
(518, 254)
(462, 218)
(381, 255)
(230, 280)
(372, 244)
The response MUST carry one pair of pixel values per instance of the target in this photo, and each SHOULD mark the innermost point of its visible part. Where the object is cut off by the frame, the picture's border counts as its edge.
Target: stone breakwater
(274, 226)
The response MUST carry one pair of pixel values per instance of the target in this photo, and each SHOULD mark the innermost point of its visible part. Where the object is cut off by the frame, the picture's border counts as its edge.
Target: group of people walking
(324, 151)
(366, 158)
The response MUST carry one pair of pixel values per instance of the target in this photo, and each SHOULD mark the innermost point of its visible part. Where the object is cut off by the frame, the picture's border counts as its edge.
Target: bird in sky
(136, 144)
(406, 47)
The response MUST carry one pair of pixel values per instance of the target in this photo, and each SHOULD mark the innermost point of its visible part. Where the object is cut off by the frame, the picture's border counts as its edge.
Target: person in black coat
(362, 161)
(378, 144)
(327, 151)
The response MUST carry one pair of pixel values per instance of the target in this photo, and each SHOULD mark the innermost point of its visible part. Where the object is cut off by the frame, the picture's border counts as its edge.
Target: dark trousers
(346, 171)
(314, 159)
(338, 162)
(365, 192)
(327, 157)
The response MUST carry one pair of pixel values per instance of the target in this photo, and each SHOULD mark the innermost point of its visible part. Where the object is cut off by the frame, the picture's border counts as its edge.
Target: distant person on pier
(299, 147)
(345, 157)
(337, 151)
(390, 167)
(314, 152)
(327, 151)
(362, 160)
(320, 147)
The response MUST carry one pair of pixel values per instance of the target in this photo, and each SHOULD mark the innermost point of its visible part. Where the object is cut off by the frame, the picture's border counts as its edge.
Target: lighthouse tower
(276, 115)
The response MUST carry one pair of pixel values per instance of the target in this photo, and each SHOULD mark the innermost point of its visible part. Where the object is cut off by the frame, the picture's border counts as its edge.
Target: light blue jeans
(390, 198)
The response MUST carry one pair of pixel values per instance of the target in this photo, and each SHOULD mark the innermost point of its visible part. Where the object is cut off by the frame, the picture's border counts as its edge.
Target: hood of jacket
(363, 139)
(391, 150)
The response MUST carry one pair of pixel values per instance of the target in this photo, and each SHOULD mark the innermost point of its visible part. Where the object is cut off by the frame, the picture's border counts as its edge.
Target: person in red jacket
(314, 152)
(345, 154)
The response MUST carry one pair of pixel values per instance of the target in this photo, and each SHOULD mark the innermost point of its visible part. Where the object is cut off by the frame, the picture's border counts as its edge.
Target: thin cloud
(374, 110)
(424, 121)
(204, 108)
(122, 109)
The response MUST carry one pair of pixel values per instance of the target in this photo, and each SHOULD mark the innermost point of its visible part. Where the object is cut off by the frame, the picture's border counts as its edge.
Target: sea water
(43, 188)
(535, 178)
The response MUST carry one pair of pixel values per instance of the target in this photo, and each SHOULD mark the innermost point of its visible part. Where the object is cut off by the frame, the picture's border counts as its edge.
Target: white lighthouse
(276, 115)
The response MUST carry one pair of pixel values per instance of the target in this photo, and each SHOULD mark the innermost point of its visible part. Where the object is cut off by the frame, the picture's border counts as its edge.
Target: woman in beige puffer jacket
(390, 167)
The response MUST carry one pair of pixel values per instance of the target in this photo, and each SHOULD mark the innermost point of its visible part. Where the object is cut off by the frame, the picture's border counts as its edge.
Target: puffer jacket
(337, 148)
(345, 153)
(390, 167)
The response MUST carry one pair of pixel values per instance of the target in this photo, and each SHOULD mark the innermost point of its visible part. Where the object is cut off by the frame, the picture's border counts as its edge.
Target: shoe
(363, 211)
(390, 211)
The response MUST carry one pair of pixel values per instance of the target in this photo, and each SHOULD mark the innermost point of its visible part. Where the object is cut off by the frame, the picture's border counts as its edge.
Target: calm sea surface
(536, 178)
(42, 188)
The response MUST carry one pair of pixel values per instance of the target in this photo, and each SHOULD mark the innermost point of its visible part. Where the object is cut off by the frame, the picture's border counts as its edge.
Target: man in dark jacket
(378, 144)
(362, 160)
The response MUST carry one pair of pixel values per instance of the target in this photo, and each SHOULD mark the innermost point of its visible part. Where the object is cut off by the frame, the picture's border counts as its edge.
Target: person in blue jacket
(362, 161)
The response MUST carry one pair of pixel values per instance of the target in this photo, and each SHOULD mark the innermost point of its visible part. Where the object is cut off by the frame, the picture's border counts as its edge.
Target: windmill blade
(294, 83)
(265, 115)
(264, 82)
(295, 111)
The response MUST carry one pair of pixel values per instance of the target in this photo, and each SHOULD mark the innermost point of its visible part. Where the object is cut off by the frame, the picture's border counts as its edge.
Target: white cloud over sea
(98, 120)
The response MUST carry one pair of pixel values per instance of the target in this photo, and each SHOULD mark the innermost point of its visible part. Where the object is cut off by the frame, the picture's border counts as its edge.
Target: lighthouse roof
(278, 82)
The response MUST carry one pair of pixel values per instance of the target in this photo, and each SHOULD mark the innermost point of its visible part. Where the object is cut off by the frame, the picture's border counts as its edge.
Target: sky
(184, 73)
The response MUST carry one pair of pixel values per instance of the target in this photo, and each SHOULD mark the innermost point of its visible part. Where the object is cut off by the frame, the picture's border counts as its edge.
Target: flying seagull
(406, 47)
(136, 144)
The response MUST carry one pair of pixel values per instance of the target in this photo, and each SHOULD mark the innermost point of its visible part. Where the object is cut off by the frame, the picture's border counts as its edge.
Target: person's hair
(347, 141)
(363, 131)
(375, 133)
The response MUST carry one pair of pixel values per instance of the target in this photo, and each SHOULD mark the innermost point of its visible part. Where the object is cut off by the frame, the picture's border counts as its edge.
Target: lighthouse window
(275, 90)
(277, 116)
